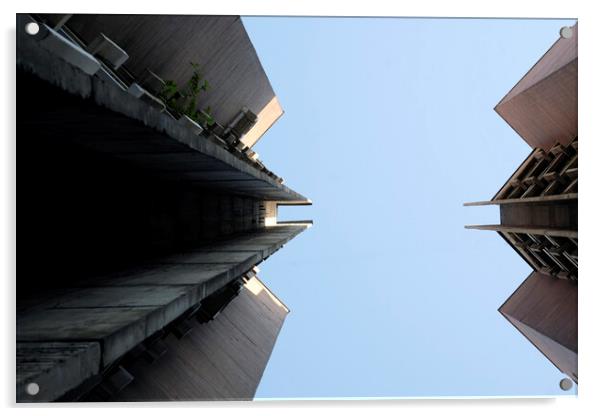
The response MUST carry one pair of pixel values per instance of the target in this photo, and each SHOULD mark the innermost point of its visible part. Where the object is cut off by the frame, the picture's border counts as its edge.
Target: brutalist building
(146, 210)
(538, 203)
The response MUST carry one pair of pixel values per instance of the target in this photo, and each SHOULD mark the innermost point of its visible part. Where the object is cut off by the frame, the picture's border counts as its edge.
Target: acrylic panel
(170, 260)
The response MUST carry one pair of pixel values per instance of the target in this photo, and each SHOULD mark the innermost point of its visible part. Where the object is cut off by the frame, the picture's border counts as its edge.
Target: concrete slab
(120, 311)
(210, 257)
(128, 114)
(170, 274)
(126, 296)
(214, 175)
(56, 367)
(262, 248)
(117, 329)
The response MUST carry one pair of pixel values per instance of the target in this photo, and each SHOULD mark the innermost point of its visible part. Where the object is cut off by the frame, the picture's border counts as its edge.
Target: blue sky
(389, 127)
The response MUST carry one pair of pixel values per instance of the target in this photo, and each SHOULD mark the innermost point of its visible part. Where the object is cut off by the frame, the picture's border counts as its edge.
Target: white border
(591, 151)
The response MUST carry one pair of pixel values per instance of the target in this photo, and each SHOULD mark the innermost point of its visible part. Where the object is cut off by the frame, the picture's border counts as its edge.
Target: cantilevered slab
(117, 329)
(553, 232)
(542, 106)
(55, 367)
(91, 112)
(121, 310)
(535, 199)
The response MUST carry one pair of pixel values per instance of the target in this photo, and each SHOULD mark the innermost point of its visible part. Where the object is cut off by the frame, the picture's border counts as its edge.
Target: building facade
(146, 218)
(538, 203)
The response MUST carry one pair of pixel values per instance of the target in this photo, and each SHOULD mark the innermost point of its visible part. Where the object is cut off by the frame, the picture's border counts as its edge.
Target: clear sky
(389, 127)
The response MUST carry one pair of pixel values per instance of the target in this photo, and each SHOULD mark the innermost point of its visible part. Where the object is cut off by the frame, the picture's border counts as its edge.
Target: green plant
(205, 116)
(169, 90)
(184, 100)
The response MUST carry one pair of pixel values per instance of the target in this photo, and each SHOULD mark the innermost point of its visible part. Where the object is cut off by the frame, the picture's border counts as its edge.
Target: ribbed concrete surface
(221, 360)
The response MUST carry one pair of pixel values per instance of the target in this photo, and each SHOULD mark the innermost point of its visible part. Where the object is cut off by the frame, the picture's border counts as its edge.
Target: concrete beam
(545, 198)
(552, 232)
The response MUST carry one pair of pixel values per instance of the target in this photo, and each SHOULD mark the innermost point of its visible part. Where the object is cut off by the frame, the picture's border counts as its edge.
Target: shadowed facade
(221, 360)
(146, 229)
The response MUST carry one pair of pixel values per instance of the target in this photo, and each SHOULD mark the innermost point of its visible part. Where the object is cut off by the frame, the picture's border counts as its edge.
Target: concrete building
(223, 359)
(164, 46)
(538, 203)
(144, 227)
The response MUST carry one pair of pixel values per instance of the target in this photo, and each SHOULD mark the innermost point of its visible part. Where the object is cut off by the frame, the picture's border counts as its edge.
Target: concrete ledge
(119, 311)
(34, 58)
(56, 367)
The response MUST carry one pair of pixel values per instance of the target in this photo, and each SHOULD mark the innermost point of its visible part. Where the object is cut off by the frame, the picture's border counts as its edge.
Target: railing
(544, 174)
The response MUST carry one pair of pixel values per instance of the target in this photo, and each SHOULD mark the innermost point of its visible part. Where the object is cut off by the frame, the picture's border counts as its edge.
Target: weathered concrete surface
(123, 309)
(210, 257)
(56, 367)
(173, 274)
(117, 328)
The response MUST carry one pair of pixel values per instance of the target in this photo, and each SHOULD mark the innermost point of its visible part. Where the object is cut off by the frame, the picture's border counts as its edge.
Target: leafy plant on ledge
(183, 101)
